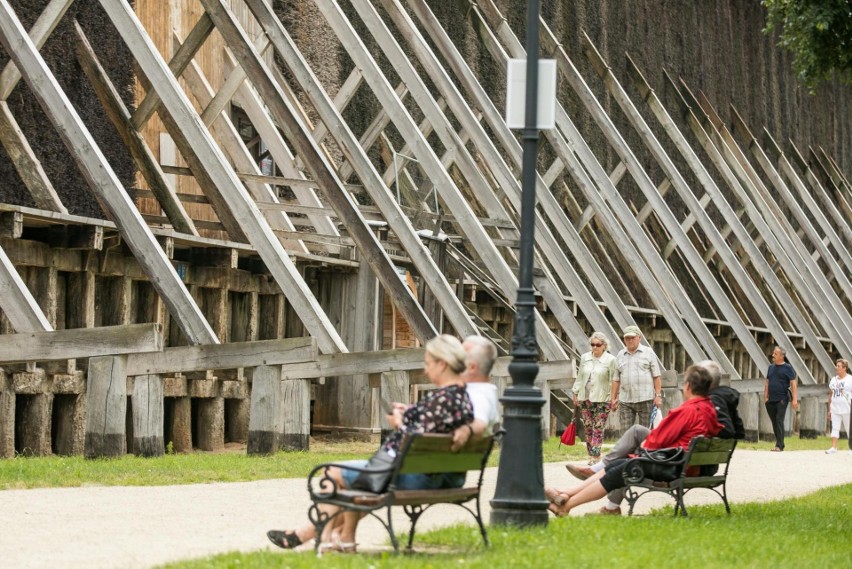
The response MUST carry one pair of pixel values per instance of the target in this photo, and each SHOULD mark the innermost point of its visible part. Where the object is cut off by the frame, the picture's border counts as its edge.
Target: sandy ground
(145, 526)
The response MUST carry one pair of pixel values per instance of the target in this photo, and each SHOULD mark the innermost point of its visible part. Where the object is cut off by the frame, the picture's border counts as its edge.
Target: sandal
(777, 449)
(284, 539)
(559, 511)
(554, 496)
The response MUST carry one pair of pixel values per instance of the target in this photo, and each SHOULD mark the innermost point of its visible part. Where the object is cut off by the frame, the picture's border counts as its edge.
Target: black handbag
(377, 474)
(663, 464)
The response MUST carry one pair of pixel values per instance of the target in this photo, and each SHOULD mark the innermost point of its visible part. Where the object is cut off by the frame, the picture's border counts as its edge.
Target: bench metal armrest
(321, 486)
(634, 471)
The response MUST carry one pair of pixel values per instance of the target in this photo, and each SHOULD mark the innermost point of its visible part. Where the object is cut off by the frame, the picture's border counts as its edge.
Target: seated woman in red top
(696, 417)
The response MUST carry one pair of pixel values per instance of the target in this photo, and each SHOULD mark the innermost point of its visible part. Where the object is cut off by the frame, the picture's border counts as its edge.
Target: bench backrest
(430, 453)
(703, 451)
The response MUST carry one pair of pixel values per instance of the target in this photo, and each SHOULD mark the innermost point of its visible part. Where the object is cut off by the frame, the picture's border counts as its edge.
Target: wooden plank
(101, 178)
(212, 164)
(106, 407)
(147, 406)
(185, 359)
(17, 302)
(26, 163)
(81, 343)
(285, 115)
(134, 141)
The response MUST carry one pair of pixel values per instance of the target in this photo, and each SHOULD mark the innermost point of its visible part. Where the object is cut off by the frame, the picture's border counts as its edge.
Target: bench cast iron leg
(413, 513)
(478, 517)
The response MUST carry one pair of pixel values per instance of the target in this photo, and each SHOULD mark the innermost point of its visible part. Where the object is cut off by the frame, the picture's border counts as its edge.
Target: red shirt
(695, 417)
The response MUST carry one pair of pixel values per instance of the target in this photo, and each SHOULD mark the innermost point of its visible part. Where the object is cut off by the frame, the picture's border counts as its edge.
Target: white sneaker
(832, 450)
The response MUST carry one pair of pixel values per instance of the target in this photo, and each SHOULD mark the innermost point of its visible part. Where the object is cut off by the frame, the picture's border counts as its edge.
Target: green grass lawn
(201, 467)
(812, 531)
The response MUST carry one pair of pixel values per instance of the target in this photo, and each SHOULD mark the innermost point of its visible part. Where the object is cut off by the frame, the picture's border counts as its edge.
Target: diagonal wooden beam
(234, 146)
(120, 117)
(737, 225)
(321, 170)
(492, 163)
(101, 178)
(763, 206)
(213, 164)
(611, 209)
(17, 301)
(41, 30)
(696, 207)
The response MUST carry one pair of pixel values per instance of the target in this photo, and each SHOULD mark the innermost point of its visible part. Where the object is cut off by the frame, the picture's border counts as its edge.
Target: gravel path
(124, 527)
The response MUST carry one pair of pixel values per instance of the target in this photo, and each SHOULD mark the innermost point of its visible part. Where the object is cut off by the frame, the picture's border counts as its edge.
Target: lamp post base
(519, 497)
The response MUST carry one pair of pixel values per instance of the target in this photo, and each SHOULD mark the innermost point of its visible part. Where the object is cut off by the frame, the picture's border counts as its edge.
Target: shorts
(407, 481)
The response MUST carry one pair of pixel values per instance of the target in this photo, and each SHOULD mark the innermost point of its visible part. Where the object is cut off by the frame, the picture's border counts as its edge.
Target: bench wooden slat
(435, 462)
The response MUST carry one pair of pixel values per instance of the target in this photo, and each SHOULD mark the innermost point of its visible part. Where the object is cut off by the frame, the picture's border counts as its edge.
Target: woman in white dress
(840, 393)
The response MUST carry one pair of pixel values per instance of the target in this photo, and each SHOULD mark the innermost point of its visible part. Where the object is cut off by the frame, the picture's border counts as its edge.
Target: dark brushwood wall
(59, 54)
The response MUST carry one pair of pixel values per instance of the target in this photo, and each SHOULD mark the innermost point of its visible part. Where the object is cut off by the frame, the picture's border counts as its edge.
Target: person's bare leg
(558, 497)
(307, 531)
(347, 530)
(587, 493)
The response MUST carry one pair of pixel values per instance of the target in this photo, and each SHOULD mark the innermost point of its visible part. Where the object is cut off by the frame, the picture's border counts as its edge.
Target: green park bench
(419, 454)
(702, 452)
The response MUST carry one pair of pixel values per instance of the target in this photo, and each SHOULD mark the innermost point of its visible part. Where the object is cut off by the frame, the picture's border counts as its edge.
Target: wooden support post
(182, 424)
(147, 403)
(7, 421)
(106, 407)
(296, 414)
(812, 417)
(750, 410)
(394, 387)
(33, 427)
(69, 423)
(266, 425)
(209, 423)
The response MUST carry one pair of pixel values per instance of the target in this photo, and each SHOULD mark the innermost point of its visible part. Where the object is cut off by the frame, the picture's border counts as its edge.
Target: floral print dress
(442, 410)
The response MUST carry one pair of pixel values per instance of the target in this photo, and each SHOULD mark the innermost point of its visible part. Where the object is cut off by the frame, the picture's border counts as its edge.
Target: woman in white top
(593, 392)
(840, 392)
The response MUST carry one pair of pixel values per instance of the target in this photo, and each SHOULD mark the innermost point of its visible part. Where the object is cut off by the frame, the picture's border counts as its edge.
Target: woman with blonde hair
(594, 395)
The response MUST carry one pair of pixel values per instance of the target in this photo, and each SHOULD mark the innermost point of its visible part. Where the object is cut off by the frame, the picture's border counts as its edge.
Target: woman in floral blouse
(593, 394)
(442, 410)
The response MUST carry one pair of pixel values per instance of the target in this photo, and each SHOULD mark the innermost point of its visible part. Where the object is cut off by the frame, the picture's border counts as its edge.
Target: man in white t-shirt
(481, 354)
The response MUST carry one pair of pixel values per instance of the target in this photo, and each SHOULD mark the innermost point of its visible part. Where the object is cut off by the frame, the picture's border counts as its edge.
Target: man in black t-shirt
(779, 390)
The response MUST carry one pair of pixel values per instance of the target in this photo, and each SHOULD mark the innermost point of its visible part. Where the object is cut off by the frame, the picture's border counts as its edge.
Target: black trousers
(777, 411)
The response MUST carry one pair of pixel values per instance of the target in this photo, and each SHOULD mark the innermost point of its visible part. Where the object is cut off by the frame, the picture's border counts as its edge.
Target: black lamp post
(519, 498)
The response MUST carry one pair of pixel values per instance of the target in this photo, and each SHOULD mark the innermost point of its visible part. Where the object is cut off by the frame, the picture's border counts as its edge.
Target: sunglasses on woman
(596, 345)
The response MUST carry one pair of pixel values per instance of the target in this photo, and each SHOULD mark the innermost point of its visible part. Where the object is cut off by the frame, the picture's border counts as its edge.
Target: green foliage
(804, 532)
(818, 33)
